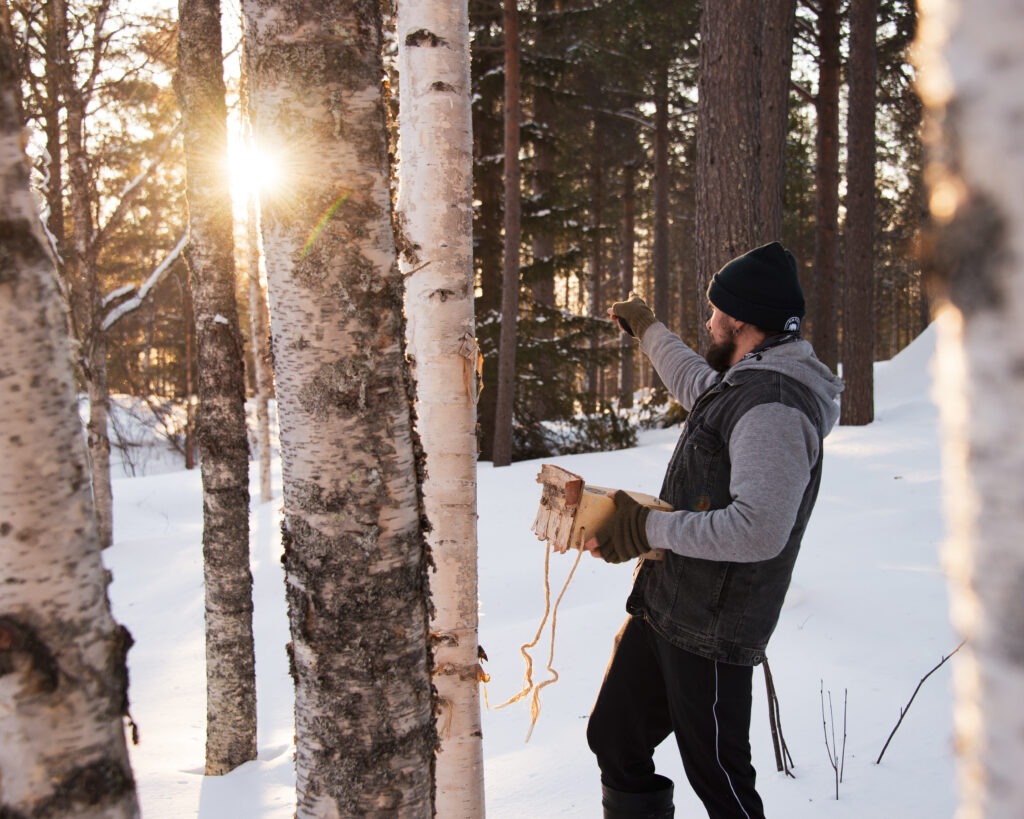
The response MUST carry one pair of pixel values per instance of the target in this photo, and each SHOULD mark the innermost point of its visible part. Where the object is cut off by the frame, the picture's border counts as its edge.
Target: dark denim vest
(719, 610)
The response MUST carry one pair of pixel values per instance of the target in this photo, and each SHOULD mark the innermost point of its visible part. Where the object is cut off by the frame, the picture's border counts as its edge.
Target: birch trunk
(63, 682)
(355, 566)
(972, 72)
(259, 323)
(220, 420)
(259, 318)
(435, 208)
(86, 297)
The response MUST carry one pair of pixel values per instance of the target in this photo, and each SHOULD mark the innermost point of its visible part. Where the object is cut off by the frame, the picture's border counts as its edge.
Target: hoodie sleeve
(686, 374)
(773, 449)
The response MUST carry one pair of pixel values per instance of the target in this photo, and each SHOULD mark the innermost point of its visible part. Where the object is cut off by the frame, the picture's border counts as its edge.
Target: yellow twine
(528, 686)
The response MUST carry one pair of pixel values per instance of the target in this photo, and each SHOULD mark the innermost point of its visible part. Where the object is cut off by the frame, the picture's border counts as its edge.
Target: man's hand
(633, 316)
(623, 537)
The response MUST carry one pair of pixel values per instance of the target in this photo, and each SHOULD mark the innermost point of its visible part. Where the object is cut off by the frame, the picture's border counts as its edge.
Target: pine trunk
(354, 559)
(435, 210)
(62, 657)
(628, 378)
(660, 303)
(504, 412)
(220, 419)
(825, 276)
(858, 342)
(728, 136)
(777, 60)
(971, 77)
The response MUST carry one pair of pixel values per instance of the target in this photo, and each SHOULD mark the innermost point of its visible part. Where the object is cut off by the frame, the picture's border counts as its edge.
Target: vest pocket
(702, 463)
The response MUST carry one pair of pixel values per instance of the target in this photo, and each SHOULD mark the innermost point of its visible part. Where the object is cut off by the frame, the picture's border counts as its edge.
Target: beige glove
(633, 316)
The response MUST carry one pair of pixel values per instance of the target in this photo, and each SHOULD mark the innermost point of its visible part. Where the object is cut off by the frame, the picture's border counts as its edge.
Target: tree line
(551, 157)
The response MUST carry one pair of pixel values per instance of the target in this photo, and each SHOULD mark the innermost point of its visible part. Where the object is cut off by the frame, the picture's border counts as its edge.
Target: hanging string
(528, 685)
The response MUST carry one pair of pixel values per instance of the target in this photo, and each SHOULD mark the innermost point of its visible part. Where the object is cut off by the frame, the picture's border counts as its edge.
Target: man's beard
(719, 354)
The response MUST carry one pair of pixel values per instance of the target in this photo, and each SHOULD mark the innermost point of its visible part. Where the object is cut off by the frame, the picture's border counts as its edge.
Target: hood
(798, 361)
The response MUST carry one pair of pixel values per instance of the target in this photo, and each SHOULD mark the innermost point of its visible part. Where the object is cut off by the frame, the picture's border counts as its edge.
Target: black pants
(652, 689)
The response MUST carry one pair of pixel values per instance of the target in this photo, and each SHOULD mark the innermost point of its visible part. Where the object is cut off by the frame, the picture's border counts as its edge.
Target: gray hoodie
(773, 449)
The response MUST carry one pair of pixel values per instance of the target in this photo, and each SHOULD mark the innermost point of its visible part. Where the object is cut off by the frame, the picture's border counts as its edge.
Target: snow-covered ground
(865, 620)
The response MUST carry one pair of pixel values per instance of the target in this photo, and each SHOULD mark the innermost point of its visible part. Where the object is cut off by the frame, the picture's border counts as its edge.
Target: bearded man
(742, 481)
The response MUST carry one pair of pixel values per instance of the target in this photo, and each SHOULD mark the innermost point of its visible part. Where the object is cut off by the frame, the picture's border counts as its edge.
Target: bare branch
(903, 711)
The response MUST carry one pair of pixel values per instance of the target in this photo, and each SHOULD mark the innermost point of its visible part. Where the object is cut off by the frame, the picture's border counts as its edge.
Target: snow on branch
(136, 301)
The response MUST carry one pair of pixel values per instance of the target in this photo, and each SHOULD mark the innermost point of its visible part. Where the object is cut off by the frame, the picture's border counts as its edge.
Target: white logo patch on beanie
(792, 324)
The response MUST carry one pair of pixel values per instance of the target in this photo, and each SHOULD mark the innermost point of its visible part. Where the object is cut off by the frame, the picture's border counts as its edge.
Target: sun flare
(252, 172)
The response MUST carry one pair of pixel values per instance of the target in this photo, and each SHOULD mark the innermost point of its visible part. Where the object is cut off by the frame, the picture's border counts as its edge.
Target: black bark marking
(19, 642)
(444, 87)
(966, 259)
(422, 37)
(100, 782)
(19, 248)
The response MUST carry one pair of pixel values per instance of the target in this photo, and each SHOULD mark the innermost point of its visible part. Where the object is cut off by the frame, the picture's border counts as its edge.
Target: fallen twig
(903, 711)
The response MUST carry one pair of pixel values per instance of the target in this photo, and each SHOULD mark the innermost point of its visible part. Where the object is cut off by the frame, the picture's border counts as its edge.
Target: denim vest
(720, 610)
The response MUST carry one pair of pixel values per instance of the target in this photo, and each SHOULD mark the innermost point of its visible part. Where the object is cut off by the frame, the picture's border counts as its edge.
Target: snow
(867, 615)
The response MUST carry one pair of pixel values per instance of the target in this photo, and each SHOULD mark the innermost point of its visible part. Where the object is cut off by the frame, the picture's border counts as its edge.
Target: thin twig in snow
(903, 711)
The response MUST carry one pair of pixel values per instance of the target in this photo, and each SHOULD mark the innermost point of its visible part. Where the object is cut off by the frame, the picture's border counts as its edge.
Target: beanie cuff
(760, 315)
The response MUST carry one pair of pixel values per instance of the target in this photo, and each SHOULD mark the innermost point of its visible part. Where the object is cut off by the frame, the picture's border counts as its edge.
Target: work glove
(633, 316)
(623, 537)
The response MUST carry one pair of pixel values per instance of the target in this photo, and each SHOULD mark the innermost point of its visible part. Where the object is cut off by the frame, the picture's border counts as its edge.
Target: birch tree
(435, 206)
(972, 71)
(354, 557)
(220, 421)
(63, 681)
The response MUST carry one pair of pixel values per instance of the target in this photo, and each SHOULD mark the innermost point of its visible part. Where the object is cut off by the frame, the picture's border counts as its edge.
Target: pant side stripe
(718, 757)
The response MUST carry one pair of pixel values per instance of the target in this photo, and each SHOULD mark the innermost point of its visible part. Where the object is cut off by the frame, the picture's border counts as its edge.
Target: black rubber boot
(653, 805)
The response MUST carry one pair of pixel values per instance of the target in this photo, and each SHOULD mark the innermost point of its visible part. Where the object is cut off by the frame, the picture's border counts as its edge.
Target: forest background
(608, 138)
(600, 165)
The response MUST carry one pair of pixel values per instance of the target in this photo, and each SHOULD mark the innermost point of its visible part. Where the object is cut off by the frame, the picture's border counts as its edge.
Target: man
(743, 480)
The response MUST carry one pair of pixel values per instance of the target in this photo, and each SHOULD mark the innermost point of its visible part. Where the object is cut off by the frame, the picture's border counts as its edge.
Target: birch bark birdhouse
(570, 511)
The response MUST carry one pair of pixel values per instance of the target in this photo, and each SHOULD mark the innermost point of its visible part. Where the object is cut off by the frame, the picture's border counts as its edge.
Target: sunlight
(252, 171)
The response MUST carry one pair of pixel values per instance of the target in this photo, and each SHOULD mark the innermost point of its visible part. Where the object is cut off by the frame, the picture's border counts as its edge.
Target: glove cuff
(640, 325)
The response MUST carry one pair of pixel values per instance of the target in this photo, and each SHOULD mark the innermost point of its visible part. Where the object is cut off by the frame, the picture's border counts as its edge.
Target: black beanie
(761, 288)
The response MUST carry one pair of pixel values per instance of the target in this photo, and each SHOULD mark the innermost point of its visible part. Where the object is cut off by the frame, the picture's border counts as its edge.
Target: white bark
(259, 339)
(435, 216)
(63, 684)
(972, 73)
(355, 568)
(220, 418)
